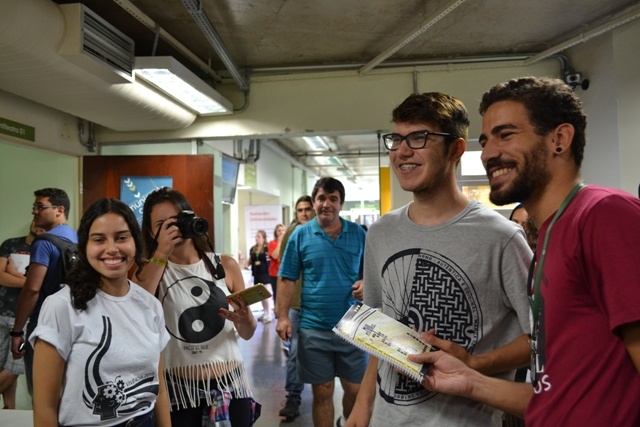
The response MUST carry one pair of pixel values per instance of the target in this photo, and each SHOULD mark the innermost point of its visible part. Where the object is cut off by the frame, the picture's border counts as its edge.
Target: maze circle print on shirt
(424, 289)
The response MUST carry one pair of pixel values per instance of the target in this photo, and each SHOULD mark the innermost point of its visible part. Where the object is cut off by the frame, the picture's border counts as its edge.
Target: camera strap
(218, 271)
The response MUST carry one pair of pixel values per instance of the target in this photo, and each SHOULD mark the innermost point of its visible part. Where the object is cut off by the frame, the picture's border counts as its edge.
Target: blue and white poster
(135, 189)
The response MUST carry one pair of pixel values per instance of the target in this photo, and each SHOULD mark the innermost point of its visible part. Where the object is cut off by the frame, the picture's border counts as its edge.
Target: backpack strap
(60, 242)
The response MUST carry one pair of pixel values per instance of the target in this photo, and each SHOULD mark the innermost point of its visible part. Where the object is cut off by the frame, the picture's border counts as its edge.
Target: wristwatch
(16, 333)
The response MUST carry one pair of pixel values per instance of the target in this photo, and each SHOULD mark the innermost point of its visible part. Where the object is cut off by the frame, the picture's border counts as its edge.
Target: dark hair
(57, 197)
(160, 195)
(301, 199)
(549, 103)
(513, 212)
(329, 185)
(444, 110)
(83, 280)
(304, 198)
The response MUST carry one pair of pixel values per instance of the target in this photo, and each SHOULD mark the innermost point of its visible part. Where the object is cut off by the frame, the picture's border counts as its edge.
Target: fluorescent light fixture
(316, 143)
(327, 161)
(333, 160)
(177, 81)
(345, 171)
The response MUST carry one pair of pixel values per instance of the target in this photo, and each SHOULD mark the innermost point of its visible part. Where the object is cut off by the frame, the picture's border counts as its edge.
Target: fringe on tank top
(186, 382)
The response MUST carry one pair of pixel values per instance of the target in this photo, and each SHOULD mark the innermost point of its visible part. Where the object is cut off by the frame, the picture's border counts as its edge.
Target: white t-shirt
(111, 349)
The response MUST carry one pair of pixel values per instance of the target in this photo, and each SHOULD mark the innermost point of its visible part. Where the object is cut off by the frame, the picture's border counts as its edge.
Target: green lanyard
(535, 301)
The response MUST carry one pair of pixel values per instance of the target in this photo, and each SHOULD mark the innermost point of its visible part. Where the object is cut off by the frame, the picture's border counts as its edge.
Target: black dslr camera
(190, 225)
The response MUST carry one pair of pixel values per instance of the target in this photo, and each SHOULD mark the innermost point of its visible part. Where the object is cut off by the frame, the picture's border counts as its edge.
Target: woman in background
(98, 341)
(274, 258)
(258, 260)
(204, 369)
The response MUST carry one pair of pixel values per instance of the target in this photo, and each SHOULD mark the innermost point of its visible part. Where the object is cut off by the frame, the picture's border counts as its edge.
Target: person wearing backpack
(44, 276)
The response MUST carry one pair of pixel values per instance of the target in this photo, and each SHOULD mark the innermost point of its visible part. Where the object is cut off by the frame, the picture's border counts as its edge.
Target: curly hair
(83, 279)
(549, 103)
(443, 110)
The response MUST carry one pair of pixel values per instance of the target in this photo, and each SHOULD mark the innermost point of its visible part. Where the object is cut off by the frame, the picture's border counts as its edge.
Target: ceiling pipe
(337, 154)
(145, 20)
(396, 64)
(294, 162)
(449, 7)
(616, 21)
(202, 20)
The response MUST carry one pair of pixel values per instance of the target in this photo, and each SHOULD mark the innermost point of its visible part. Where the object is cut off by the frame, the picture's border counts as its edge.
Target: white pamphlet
(21, 261)
(384, 337)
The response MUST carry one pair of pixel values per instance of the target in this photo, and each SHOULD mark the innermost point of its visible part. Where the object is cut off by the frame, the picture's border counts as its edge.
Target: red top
(274, 265)
(590, 287)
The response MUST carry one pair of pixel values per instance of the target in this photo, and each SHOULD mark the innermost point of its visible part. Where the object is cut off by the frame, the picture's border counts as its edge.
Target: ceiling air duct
(69, 60)
(95, 45)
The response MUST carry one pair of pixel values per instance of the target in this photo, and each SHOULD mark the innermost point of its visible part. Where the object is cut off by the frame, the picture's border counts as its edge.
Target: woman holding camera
(98, 341)
(204, 369)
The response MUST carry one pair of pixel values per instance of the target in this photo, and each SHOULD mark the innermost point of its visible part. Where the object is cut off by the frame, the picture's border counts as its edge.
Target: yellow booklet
(383, 337)
(252, 294)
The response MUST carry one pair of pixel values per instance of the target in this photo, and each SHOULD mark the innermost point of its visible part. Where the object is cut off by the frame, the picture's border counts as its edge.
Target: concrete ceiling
(278, 36)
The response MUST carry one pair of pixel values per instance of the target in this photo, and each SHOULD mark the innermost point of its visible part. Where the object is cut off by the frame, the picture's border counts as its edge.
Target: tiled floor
(265, 362)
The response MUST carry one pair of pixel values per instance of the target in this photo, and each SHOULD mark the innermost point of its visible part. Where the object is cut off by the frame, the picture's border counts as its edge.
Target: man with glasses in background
(445, 265)
(50, 211)
(293, 385)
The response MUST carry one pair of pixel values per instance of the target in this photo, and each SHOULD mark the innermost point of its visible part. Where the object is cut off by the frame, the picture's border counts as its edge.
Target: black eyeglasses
(415, 140)
(38, 208)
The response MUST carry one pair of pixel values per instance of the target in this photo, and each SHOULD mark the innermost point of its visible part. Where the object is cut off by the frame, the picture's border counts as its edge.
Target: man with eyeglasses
(585, 283)
(49, 211)
(293, 386)
(444, 265)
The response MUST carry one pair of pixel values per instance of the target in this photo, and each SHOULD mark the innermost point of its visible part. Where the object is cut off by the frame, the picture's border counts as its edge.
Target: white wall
(626, 44)
(612, 103)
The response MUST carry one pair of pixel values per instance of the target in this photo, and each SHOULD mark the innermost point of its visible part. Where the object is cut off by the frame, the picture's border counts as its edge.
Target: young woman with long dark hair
(98, 340)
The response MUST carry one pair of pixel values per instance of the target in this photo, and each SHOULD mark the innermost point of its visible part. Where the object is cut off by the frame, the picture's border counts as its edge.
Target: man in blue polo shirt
(328, 253)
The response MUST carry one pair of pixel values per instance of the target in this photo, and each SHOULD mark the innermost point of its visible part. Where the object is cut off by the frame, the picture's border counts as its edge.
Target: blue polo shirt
(329, 270)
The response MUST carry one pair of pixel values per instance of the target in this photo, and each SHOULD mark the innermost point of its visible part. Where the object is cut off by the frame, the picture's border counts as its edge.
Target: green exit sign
(17, 130)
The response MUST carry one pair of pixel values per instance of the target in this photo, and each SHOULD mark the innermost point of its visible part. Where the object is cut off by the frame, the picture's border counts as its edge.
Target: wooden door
(192, 176)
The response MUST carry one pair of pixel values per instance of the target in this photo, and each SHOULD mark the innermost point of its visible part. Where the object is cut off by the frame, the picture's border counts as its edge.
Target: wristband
(159, 261)
(16, 333)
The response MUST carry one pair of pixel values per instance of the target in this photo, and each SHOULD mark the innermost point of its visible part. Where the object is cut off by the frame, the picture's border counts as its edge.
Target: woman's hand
(168, 238)
(241, 313)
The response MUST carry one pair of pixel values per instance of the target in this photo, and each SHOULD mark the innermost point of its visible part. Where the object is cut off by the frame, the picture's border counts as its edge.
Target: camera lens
(199, 226)
(190, 225)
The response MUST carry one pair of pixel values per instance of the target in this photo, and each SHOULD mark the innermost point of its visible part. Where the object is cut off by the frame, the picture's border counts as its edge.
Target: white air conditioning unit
(96, 46)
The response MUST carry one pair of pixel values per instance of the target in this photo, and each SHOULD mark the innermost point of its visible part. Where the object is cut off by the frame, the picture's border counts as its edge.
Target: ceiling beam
(424, 26)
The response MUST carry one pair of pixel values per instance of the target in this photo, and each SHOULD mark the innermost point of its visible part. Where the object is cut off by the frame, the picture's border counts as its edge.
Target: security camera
(572, 79)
